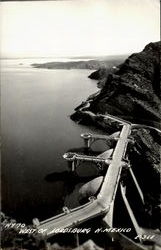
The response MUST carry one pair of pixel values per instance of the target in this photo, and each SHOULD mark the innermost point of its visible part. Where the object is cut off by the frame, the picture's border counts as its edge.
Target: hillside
(132, 93)
(82, 64)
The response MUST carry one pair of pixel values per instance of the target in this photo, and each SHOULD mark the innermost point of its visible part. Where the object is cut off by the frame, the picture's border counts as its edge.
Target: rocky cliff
(132, 92)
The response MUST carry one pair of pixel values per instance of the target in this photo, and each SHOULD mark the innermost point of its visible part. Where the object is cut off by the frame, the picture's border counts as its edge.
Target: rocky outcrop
(101, 75)
(132, 93)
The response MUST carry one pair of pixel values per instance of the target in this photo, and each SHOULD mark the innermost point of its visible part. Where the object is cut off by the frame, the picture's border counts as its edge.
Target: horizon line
(78, 56)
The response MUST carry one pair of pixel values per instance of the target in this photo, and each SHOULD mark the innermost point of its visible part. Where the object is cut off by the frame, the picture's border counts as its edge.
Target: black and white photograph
(80, 124)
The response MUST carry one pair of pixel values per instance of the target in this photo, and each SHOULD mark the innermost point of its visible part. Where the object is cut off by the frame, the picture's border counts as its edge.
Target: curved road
(102, 204)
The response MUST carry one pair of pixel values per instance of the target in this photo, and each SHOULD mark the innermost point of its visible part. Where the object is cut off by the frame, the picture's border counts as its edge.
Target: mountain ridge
(132, 90)
(132, 93)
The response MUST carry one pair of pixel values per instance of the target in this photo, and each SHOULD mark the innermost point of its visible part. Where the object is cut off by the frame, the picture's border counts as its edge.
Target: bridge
(101, 205)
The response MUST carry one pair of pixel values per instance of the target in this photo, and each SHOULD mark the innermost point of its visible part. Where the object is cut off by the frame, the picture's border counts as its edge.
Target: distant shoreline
(82, 64)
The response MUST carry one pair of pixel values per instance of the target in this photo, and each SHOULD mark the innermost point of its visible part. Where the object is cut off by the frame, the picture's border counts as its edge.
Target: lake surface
(36, 131)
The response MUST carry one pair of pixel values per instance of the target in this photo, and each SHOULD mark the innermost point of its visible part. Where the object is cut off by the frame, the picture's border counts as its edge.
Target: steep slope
(132, 93)
(133, 90)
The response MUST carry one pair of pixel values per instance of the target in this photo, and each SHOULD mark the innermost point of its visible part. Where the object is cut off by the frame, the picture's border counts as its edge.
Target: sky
(77, 27)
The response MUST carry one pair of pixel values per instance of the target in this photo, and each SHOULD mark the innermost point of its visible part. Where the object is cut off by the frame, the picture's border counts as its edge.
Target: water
(36, 132)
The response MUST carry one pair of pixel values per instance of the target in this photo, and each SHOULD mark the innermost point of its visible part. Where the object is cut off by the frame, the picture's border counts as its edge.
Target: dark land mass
(131, 91)
(90, 64)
